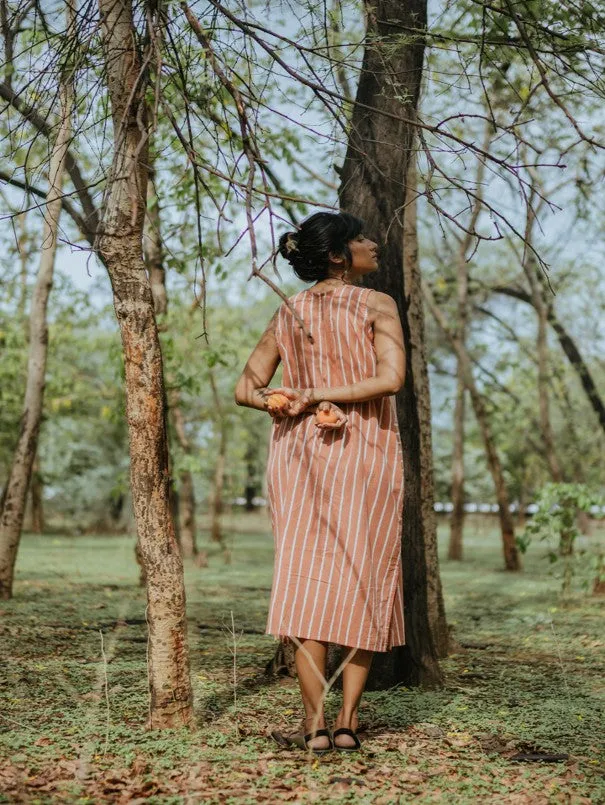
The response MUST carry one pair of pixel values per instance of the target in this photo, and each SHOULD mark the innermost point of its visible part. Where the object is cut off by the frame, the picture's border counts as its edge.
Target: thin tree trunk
(373, 186)
(457, 517)
(120, 247)
(251, 489)
(23, 260)
(509, 546)
(216, 507)
(37, 498)
(13, 510)
(186, 489)
(533, 272)
(152, 246)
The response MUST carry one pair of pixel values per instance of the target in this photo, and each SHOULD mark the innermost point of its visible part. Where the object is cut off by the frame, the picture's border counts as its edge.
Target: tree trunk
(188, 538)
(251, 489)
(373, 186)
(13, 510)
(417, 355)
(457, 518)
(120, 247)
(152, 246)
(509, 546)
(533, 274)
(37, 498)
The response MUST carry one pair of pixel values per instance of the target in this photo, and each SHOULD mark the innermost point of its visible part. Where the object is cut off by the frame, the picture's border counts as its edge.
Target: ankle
(315, 721)
(346, 718)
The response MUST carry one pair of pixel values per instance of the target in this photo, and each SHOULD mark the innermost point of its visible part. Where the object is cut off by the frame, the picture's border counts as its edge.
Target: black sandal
(302, 741)
(351, 734)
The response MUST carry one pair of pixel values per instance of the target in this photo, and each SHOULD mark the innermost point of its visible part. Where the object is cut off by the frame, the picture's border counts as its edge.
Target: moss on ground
(525, 674)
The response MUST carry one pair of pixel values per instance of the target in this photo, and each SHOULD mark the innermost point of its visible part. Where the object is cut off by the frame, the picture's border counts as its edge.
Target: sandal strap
(347, 731)
(317, 734)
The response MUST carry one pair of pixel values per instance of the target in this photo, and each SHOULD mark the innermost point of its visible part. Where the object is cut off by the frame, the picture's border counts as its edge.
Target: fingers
(291, 394)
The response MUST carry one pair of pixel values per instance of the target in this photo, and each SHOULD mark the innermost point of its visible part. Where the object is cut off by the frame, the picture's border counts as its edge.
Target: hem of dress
(368, 645)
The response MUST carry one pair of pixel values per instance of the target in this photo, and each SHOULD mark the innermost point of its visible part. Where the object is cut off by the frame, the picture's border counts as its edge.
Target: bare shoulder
(380, 304)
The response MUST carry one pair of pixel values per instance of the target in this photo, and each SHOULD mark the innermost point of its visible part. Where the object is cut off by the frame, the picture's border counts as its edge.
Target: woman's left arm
(259, 370)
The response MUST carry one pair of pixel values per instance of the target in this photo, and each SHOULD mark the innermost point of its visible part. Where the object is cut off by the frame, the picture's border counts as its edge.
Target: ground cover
(525, 674)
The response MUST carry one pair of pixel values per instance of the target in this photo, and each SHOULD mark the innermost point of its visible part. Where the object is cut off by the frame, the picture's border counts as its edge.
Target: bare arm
(259, 370)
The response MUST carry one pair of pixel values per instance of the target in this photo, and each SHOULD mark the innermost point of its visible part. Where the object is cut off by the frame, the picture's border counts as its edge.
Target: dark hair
(324, 233)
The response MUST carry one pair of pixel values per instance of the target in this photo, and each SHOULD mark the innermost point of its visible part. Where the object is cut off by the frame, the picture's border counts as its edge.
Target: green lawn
(527, 673)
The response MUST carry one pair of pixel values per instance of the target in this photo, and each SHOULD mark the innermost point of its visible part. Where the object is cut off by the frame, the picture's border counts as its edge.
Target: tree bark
(13, 510)
(511, 554)
(251, 489)
(417, 355)
(373, 186)
(454, 550)
(120, 247)
(152, 246)
(216, 506)
(533, 274)
(37, 498)
(457, 518)
(188, 536)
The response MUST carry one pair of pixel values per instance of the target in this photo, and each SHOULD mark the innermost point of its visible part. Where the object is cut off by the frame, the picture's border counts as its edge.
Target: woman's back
(341, 352)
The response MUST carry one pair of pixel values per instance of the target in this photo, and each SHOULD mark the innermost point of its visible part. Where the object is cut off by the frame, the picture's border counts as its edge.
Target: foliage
(556, 518)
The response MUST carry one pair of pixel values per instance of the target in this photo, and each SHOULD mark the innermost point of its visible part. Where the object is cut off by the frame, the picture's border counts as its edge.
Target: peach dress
(335, 496)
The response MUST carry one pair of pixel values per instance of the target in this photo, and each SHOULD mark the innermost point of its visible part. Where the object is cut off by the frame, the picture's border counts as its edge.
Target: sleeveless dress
(335, 496)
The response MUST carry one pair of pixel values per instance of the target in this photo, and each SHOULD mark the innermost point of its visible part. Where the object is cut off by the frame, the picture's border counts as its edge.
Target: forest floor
(526, 674)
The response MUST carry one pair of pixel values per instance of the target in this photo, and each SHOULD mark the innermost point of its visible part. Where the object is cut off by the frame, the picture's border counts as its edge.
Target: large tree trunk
(15, 497)
(120, 247)
(509, 546)
(373, 186)
(417, 355)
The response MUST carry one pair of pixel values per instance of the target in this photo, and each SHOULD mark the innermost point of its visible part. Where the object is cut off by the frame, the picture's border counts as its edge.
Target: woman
(335, 489)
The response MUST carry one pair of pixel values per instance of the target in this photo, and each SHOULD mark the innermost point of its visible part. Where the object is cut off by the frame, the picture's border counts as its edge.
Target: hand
(341, 420)
(300, 399)
(278, 411)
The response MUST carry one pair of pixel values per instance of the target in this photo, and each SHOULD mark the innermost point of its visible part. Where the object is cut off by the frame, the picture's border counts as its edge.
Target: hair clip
(291, 245)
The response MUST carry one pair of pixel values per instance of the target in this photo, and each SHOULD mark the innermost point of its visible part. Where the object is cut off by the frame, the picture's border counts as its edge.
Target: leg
(354, 677)
(312, 686)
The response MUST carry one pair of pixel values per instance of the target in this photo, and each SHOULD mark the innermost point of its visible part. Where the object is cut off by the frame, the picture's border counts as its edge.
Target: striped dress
(335, 496)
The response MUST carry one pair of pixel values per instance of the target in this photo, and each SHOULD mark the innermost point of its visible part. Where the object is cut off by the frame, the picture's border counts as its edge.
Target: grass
(526, 673)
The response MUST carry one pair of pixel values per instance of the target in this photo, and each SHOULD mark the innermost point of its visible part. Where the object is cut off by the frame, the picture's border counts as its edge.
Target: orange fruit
(277, 402)
(326, 417)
